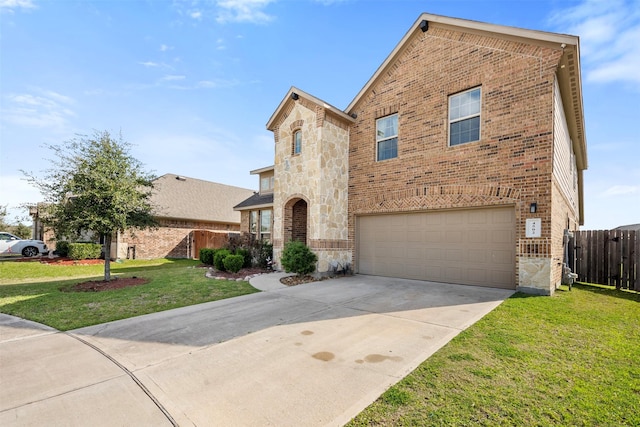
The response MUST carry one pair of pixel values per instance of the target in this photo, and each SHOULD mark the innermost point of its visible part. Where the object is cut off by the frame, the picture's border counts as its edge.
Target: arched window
(297, 142)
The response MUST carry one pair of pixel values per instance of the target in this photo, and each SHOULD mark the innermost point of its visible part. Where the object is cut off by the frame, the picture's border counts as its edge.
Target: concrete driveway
(310, 355)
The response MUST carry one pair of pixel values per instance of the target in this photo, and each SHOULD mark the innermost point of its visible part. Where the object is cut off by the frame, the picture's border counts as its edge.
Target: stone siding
(317, 175)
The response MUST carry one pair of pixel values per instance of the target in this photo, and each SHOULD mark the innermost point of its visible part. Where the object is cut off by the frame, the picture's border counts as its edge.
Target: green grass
(35, 291)
(570, 359)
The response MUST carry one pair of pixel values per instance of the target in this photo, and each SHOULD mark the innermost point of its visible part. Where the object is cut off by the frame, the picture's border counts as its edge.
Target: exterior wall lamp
(533, 207)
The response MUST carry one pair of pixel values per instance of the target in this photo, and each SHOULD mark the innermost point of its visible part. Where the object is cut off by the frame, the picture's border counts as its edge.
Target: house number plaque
(534, 227)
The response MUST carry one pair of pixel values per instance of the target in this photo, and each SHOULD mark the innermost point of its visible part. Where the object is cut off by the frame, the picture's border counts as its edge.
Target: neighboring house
(192, 214)
(257, 211)
(459, 161)
(631, 227)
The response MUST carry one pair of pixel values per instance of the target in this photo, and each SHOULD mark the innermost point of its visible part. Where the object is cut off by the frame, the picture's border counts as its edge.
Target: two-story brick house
(459, 161)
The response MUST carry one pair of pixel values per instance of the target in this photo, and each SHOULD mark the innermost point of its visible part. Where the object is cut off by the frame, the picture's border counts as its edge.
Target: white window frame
(269, 181)
(297, 142)
(381, 138)
(254, 218)
(265, 229)
(463, 118)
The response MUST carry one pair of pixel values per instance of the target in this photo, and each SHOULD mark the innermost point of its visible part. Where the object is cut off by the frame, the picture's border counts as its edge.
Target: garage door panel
(454, 236)
(477, 274)
(434, 254)
(502, 216)
(478, 256)
(452, 275)
(502, 236)
(502, 257)
(454, 218)
(478, 217)
(477, 236)
(474, 246)
(433, 237)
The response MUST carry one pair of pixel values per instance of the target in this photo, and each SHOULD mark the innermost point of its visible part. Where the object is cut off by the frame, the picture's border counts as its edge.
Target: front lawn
(40, 292)
(570, 359)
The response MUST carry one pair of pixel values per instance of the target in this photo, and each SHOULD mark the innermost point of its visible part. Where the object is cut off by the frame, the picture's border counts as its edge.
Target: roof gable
(295, 94)
(176, 196)
(569, 77)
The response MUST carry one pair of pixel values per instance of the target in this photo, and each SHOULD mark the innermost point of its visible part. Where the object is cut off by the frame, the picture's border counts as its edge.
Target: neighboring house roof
(255, 201)
(180, 197)
(629, 227)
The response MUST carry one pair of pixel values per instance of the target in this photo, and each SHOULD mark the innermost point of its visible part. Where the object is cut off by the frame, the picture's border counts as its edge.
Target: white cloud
(12, 5)
(173, 78)
(164, 48)
(225, 11)
(619, 190)
(609, 34)
(329, 2)
(42, 108)
(250, 11)
(149, 64)
(217, 83)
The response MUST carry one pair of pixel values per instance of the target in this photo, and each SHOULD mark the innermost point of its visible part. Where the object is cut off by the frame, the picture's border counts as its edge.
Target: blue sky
(191, 84)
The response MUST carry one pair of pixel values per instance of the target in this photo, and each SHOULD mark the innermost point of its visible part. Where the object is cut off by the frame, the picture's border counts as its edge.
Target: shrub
(62, 248)
(256, 252)
(84, 250)
(233, 263)
(297, 258)
(246, 256)
(206, 255)
(264, 254)
(218, 258)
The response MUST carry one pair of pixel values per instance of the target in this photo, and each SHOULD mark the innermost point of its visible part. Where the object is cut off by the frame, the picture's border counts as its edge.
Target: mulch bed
(299, 280)
(240, 274)
(101, 285)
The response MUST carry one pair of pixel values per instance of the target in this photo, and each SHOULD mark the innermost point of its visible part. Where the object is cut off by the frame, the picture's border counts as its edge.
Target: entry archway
(296, 220)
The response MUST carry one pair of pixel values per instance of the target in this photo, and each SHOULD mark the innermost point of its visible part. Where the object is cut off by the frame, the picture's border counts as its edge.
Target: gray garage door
(472, 246)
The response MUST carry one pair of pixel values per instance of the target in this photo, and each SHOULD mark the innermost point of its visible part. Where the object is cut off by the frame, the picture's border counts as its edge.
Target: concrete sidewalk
(309, 355)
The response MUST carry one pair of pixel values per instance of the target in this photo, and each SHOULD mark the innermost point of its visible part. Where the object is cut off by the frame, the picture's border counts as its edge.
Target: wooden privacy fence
(606, 257)
(207, 239)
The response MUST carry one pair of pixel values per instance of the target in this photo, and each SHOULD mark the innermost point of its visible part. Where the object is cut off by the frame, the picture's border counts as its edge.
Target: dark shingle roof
(255, 200)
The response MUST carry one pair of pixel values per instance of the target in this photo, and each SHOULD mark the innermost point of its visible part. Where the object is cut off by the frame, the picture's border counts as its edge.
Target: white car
(10, 244)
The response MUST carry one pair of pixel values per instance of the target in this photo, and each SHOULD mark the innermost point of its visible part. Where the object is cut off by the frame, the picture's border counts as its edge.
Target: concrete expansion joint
(52, 332)
(422, 322)
(135, 379)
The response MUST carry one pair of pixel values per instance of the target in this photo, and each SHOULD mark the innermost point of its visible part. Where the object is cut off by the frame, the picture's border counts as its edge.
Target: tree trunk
(107, 257)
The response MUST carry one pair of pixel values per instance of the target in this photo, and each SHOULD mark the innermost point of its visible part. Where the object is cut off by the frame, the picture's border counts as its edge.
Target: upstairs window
(266, 184)
(297, 142)
(464, 117)
(387, 137)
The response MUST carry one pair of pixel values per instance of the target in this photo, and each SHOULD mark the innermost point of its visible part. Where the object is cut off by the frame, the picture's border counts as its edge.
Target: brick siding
(170, 240)
(510, 165)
